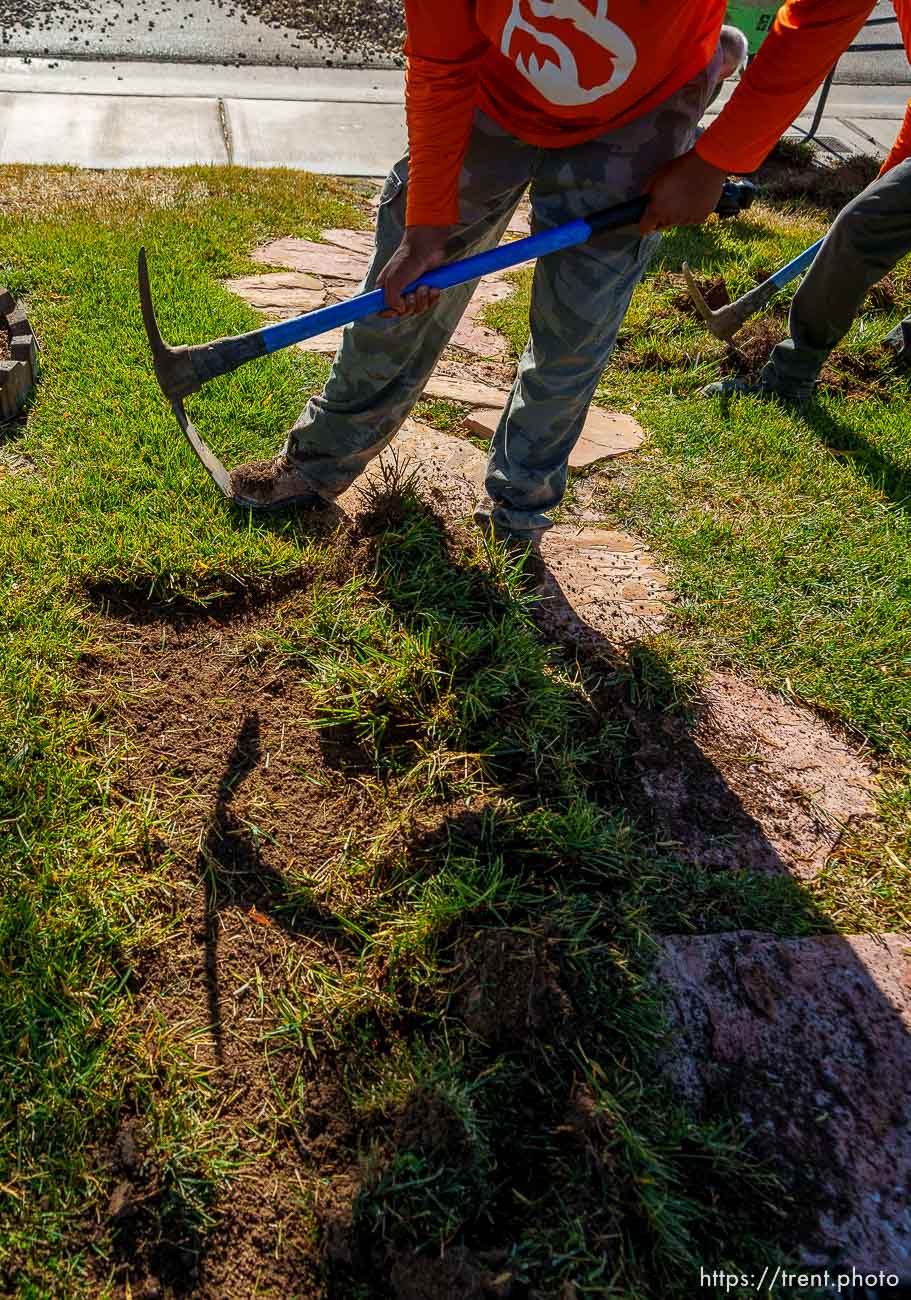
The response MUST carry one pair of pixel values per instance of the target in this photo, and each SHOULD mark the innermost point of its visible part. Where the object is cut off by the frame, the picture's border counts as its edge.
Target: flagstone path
(794, 1031)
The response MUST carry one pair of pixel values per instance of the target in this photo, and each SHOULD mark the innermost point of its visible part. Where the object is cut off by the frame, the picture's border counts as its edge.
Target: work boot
(899, 340)
(272, 485)
(728, 388)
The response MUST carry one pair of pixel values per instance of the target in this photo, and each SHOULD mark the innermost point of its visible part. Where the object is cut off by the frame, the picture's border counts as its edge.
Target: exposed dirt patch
(512, 991)
(791, 173)
(151, 1238)
(750, 351)
(253, 803)
(715, 293)
(4, 344)
(870, 375)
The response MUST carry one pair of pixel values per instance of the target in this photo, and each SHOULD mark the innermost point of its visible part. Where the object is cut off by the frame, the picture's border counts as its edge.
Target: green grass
(501, 836)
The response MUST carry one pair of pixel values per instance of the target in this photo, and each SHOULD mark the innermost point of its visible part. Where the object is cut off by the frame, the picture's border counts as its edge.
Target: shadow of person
(237, 875)
(855, 449)
(778, 1036)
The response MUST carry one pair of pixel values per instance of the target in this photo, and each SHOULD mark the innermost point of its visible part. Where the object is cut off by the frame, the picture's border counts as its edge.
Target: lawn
(349, 998)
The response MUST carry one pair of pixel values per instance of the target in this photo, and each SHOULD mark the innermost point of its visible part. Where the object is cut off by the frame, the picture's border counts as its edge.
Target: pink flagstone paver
(809, 1043)
(605, 434)
(320, 259)
(757, 782)
(478, 339)
(284, 291)
(327, 343)
(519, 222)
(603, 584)
(358, 241)
(466, 390)
(450, 470)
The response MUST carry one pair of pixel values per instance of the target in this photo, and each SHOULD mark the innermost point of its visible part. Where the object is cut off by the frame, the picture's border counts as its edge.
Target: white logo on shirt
(557, 71)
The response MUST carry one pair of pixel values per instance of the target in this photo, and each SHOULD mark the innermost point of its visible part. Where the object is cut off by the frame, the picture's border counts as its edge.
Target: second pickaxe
(724, 322)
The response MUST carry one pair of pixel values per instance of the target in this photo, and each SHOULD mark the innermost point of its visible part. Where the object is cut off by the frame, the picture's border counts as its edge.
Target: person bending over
(587, 103)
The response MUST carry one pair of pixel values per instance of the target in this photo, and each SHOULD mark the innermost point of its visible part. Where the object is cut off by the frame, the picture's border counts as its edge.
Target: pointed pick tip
(695, 293)
(156, 343)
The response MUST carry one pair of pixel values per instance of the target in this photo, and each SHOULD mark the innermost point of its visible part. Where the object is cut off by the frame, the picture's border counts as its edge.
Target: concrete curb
(329, 121)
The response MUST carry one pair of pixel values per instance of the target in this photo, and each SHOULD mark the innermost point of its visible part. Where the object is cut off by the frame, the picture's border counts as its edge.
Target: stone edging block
(19, 374)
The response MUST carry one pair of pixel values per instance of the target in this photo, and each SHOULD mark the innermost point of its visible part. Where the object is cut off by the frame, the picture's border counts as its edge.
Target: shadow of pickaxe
(185, 369)
(726, 321)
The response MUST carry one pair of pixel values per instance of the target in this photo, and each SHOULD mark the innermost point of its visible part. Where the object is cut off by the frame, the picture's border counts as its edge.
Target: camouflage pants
(579, 298)
(867, 239)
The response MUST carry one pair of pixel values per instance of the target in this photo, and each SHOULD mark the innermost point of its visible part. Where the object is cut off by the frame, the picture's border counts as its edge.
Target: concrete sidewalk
(328, 120)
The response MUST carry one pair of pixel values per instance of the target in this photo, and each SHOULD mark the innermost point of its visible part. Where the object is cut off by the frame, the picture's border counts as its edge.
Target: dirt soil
(4, 344)
(870, 375)
(253, 799)
(791, 173)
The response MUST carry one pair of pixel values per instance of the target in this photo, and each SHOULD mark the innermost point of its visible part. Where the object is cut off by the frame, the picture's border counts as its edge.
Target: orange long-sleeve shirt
(902, 147)
(558, 72)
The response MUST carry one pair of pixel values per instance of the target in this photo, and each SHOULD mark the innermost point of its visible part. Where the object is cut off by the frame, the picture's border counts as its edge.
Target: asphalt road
(265, 32)
(277, 32)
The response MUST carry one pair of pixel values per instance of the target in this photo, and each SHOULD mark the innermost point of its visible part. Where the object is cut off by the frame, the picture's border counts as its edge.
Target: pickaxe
(184, 370)
(726, 321)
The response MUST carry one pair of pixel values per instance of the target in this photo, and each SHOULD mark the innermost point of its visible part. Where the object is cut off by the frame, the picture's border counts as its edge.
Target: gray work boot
(899, 340)
(272, 485)
(728, 388)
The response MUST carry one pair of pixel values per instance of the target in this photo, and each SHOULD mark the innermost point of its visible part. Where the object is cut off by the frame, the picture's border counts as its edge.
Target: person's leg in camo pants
(866, 241)
(579, 299)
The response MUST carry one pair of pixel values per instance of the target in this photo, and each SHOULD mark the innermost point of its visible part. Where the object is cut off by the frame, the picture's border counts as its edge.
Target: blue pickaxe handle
(184, 370)
(735, 198)
(796, 266)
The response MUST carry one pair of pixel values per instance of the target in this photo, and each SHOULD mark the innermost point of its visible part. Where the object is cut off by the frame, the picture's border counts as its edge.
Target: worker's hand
(682, 193)
(422, 248)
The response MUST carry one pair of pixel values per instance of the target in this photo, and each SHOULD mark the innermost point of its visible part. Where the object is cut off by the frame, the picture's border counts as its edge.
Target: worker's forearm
(806, 41)
(444, 49)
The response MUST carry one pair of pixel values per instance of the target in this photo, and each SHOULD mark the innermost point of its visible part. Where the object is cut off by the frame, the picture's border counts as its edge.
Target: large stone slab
(470, 391)
(355, 241)
(603, 586)
(757, 782)
(604, 435)
(327, 343)
(282, 292)
(478, 339)
(520, 221)
(450, 471)
(317, 259)
(808, 1043)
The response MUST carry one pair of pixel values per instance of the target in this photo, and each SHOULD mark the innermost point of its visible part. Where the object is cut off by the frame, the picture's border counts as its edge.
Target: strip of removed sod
(792, 564)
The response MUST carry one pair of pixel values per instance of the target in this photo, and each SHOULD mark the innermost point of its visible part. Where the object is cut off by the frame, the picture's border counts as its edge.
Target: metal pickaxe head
(724, 322)
(184, 370)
